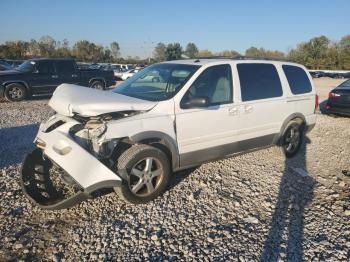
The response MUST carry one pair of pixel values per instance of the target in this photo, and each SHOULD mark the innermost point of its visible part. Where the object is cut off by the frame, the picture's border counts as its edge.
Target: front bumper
(59, 149)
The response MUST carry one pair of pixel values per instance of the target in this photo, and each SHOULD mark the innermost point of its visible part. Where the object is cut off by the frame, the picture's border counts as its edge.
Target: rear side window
(259, 81)
(298, 81)
(64, 67)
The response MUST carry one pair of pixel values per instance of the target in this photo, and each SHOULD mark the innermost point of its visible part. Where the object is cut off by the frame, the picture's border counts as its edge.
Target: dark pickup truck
(41, 77)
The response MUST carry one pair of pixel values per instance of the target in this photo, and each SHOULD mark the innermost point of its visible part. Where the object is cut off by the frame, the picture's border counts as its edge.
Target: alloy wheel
(15, 92)
(292, 139)
(145, 176)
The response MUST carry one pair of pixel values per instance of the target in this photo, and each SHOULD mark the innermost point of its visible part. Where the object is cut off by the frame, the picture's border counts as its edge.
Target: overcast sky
(139, 25)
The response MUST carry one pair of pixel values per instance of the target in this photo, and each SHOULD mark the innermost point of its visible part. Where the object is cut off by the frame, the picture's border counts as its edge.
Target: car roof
(215, 60)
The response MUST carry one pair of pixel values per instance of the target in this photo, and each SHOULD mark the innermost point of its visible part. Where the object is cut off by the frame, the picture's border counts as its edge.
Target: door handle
(233, 111)
(54, 76)
(248, 109)
(74, 75)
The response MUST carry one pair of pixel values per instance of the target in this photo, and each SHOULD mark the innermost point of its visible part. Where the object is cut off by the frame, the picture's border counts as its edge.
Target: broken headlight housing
(90, 134)
(96, 127)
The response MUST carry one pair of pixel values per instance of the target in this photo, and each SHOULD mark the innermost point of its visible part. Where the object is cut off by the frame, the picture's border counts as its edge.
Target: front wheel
(292, 139)
(15, 92)
(145, 171)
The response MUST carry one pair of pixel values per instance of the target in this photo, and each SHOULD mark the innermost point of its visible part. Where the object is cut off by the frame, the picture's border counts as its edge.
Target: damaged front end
(71, 161)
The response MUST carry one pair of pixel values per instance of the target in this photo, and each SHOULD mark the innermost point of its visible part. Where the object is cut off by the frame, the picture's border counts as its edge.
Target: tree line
(46, 46)
(317, 53)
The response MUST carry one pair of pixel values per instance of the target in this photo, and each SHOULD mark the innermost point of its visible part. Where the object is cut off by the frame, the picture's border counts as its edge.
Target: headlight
(95, 127)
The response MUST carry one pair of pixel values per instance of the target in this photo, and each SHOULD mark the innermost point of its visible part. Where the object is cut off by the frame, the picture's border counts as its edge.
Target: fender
(17, 81)
(277, 138)
(169, 142)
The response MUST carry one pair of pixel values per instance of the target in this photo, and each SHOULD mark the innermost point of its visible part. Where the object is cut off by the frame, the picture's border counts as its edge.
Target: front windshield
(157, 82)
(27, 66)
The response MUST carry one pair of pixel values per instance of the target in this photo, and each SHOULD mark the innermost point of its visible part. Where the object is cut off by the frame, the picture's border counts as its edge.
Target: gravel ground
(255, 207)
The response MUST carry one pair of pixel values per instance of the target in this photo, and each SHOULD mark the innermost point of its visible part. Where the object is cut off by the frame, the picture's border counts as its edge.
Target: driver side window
(44, 67)
(215, 84)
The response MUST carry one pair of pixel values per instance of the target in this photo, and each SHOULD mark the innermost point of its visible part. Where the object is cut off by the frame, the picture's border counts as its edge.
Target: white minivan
(168, 117)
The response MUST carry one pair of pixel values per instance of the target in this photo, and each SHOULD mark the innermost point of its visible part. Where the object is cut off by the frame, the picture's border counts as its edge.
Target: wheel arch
(97, 79)
(24, 83)
(290, 118)
(162, 141)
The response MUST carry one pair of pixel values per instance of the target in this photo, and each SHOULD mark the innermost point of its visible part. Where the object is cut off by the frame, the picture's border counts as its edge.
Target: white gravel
(255, 207)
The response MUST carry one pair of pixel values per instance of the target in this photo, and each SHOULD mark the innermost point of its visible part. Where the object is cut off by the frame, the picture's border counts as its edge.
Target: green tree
(63, 49)
(205, 53)
(191, 50)
(47, 46)
(253, 52)
(229, 53)
(159, 53)
(88, 52)
(263, 53)
(13, 49)
(115, 50)
(173, 51)
(312, 54)
(344, 52)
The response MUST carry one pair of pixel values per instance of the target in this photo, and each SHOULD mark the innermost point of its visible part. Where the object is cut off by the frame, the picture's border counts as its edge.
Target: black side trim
(219, 152)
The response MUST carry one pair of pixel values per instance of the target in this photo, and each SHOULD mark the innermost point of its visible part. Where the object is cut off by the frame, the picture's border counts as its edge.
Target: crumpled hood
(71, 99)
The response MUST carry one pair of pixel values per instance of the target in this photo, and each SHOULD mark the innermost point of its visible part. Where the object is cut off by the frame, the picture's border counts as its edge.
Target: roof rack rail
(242, 58)
(258, 58)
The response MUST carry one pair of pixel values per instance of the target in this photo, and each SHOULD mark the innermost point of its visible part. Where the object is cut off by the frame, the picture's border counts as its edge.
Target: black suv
(42, 76)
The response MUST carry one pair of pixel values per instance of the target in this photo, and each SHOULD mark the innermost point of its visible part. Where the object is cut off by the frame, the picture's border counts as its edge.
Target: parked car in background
(339, 100)
(118, 73)
(42, 76)
(134, 137)
(346, 75)
(317, 74)
(128, 74)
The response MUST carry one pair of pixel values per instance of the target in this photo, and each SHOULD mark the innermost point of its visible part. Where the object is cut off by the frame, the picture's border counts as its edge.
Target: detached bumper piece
(43, 183)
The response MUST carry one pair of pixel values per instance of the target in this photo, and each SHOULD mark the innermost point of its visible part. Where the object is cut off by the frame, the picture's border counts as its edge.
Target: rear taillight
(331, 95)
(316, 103)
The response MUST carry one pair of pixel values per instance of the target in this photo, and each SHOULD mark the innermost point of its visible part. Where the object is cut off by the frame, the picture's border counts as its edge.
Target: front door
(43, 78)
(207, 133)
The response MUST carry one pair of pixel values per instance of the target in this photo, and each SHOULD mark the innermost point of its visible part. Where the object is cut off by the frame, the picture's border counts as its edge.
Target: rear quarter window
(298, 80)
(259, 81)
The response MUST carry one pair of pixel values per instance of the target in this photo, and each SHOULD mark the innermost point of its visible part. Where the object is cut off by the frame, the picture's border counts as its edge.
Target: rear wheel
(97, 85)
(145, 171)
(15, 92)
(292, 138)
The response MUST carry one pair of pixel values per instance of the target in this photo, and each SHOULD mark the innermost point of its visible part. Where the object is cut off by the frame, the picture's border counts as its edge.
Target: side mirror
(195, 102)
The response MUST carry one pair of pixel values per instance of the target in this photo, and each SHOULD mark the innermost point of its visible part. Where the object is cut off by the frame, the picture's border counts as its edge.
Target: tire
(97, 84)
(15, 92)
(292, 138)
(145, 171)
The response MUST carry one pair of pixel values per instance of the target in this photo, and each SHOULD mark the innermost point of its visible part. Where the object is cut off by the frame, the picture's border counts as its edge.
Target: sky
(139, 25)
